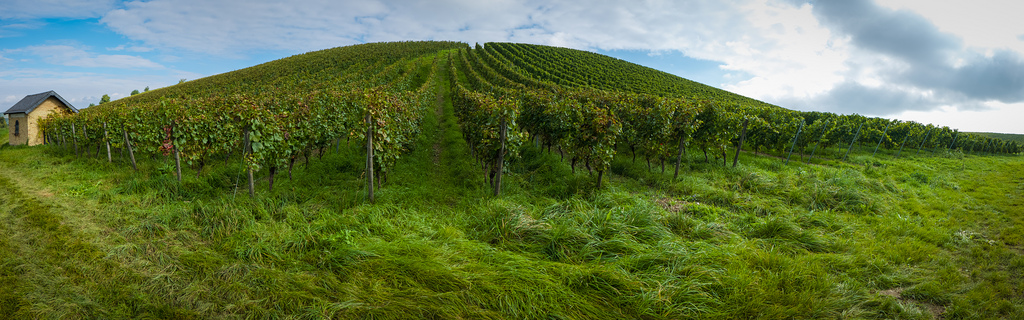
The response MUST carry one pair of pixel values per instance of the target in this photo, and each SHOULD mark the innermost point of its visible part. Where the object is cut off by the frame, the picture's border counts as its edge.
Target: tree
(104, 99)
(146, 89)
(182, 81)
(135, 92)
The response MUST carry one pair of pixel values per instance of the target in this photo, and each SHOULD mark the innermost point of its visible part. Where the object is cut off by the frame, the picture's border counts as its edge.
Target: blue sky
(955, 63)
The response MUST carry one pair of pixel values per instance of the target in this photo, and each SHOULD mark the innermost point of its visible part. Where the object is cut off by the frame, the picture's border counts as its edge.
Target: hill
(1019, 138)
(490, 203)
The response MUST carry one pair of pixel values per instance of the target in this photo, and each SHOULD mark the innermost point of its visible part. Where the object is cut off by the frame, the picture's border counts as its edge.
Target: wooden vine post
(247, 150)
(881, 139)
(106, 138)
(679, 156)
(902, 144)
(923, 141)
(177, 155)
(501, 159)
(131, 152)
(795, 138)
(85, 144)
(682, 151)
(743, 136)
(853, 141)
(369, 155)
(74, 138)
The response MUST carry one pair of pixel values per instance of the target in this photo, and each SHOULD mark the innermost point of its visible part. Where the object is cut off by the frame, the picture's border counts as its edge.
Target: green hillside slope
(431, 180)
(318, 70)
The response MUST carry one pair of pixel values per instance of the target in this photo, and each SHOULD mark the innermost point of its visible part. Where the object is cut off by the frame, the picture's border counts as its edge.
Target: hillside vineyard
(582, 105)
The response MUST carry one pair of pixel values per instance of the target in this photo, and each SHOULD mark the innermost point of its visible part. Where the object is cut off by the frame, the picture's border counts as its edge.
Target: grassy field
(940, 235)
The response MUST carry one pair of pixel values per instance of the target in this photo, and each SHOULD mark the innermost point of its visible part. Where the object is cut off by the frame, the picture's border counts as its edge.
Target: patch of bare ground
(437, 154)
(671, 205)
(935, 310)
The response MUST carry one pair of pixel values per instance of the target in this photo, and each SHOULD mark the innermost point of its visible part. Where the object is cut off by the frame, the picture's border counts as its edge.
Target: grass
(876, 237)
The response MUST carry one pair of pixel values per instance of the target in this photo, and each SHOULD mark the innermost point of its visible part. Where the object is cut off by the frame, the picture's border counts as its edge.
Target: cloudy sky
(956, 63)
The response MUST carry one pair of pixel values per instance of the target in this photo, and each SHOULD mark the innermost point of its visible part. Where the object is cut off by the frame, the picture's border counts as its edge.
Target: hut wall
(44, 109)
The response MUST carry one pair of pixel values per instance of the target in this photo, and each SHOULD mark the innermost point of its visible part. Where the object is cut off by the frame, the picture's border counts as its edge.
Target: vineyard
(500, 181)
(586, 105)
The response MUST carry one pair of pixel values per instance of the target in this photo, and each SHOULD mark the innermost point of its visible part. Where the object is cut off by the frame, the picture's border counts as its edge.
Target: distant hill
(1005, 136)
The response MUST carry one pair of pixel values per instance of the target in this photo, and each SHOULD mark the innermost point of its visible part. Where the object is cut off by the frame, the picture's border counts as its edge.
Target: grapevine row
(770, 128)
(270, 127)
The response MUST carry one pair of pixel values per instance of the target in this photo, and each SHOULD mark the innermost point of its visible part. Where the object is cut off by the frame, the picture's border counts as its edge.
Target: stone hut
(23, 117)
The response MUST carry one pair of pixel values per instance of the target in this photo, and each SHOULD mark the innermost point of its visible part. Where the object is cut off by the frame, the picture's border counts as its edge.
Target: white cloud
(996, 117)
(130, 48)
(39, 9)
(79, 88)
(232, 27)
(986, 24)
(236, 26)
(904, 61)
(32, 25)
(17, 29)
(66, 55)
(796, 57)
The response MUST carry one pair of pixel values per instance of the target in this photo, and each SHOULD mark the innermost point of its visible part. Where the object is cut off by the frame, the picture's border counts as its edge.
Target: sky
(953, 63)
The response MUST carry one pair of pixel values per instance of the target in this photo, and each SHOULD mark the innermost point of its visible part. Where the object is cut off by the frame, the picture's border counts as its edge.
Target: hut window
(16, 127)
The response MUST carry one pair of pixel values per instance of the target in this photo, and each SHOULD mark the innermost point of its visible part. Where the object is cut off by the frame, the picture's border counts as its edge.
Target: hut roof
(30, 102)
